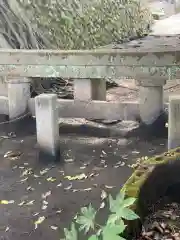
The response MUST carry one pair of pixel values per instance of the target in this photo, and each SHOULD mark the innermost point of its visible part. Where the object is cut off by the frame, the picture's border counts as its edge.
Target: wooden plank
(100, 57)
(94, 109)
(81, 72)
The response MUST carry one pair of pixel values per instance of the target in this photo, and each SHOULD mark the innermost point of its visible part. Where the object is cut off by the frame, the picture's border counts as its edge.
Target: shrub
(114, 226)
(84, 24)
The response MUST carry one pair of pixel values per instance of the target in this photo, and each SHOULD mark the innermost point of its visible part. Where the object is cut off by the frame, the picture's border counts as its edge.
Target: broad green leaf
(71, 234)
(112, 218)
(128, 214)
(128, 202)
(93, 237)
(112, 232)
(116, 203)
(86, 219)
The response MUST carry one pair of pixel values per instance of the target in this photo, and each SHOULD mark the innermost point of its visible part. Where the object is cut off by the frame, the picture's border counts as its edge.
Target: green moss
(134, 183)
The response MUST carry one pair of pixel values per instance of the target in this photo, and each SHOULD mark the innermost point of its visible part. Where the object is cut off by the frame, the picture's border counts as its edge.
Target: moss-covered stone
(134, 183)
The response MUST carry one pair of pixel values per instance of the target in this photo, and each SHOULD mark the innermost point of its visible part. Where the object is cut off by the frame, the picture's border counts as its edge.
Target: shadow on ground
(103, 159)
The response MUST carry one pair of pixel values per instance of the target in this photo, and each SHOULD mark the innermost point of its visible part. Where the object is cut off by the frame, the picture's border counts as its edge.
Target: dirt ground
(24, 180)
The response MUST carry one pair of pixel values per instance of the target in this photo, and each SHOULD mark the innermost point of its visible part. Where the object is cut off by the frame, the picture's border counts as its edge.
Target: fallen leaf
(13, 154)
(116, 166)
(45, 195)
(51, 179)
(21, 167)
(87, 189)
(26, 172)
(24, 180)
(7, 229)
(54, 227)
(69, 160)
(59, 185)
(103, 195)
(39, 221)
(135, 152)
(104, 152)
(30, 202)
(83, 167)
(45, 202)
(102, 205)
(59, 211)
(103, 161)
(94, 175)
(76, 190)
(44, 171)
(77, 177)
(68, 188)
(36, 176)
(35, 214)
(30, 188)
(109, 187)
(44, 207)
(21, 203)
(5, 202)
(122, 164)
(14, 167)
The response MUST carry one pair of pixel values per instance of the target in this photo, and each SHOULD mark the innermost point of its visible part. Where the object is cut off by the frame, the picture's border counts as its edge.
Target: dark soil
(24, 179)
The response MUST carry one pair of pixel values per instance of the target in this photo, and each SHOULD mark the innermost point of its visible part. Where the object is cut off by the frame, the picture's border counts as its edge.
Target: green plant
(114, 226)
(87, 24)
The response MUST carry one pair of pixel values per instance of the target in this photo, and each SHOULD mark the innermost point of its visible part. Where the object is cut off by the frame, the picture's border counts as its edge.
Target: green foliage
(114, 226)
(85, 24)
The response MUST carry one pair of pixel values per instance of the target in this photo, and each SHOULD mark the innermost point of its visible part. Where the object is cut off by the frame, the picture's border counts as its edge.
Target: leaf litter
(44, 196)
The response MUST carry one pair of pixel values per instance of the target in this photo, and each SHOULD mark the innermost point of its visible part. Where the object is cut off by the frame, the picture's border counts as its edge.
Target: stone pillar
(174, 122)
(47, 126)
(150, 100)
(18, 96)
(90, 89)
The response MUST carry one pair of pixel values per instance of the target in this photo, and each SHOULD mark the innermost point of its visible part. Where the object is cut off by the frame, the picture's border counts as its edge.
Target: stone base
(157, 129)
(46, 157)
